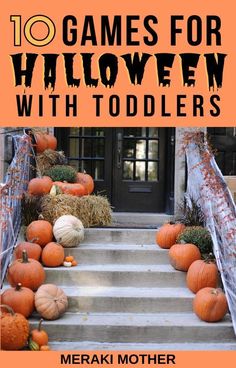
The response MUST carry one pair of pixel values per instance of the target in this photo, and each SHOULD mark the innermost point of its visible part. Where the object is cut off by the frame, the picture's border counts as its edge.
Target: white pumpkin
(68, 231)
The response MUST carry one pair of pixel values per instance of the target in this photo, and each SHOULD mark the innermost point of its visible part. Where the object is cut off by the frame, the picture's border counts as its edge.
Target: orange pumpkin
(50, 301)
(20, 299)
(27, 271)
(40, 186)
(86, 180)
(202, 274)
(53, 255)
(39, 336)
(51, 141)
(74, 263)
(183, 255)
(69, 258)
(41, 142)
(33, 250)
(210, 304)
(73, 189)
(40, 231)
(167, 235)
(14, 330)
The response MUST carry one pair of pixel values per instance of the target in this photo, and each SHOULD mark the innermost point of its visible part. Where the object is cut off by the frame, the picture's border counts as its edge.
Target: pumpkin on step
(183, 255)
(53, 255)
(68, 231)
(14, 329)
(39, 231)
(20, 299)
(27, 271)
(210, 304)
(202, 274)
(33, 250)
(50, 301)
(167, 235)
(39, 335)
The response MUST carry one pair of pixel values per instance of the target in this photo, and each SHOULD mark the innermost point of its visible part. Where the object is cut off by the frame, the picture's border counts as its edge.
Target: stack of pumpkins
(210, 303)
(26, 275)
(83, 184)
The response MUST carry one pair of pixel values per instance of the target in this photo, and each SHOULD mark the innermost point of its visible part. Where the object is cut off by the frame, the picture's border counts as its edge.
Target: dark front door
(129, 165)
(139, 169)
(224, 141)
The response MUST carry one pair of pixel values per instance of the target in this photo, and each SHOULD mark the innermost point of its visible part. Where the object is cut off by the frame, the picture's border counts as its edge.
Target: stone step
(116, 275)
(114, 346)
(137, 328)
(135, 219)
(119, 254)
(125, 236)
(129, 299)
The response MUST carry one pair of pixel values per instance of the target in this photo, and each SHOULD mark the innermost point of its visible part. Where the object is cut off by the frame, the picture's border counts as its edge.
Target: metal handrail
(11, 193)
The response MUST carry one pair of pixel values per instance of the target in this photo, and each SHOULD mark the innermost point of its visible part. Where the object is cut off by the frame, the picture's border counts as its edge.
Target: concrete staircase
(124, 295)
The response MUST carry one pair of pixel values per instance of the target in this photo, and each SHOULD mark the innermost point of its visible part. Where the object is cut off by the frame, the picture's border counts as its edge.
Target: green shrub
(62, 173)
(199, 236)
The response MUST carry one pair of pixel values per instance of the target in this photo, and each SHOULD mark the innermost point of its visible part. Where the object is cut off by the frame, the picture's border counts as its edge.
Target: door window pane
(141, 149)
(153, 132)
(152, 171)
(128, 148)
(98, 132)
(74, 147)
(153, 150)
(93, 147)
(140, 170)
(98, 173)
(135, 132)
(128, 170)
(74, 131)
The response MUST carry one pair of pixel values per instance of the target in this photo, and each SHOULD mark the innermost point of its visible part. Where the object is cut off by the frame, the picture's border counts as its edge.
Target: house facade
(140, 170)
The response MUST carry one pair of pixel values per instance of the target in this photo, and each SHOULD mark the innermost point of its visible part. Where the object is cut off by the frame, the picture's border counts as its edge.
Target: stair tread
(112, 267)
(119, 246)
(130, 292)
(93, 345)
(135, 319)
(116, 230)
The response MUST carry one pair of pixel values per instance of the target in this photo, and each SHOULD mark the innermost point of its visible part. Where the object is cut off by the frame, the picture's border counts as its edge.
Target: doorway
(133, 167)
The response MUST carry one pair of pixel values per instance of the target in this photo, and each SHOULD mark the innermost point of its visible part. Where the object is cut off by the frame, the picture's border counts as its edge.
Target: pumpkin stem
(18, 286)
(10, 310)
(25, 258)
(40, 324)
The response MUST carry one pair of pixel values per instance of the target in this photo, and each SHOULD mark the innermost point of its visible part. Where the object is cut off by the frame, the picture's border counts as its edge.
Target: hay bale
(92, 210)
(48, 159)
(52, 207)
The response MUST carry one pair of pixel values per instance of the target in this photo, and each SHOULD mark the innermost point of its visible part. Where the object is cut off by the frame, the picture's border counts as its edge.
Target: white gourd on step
(68, 231)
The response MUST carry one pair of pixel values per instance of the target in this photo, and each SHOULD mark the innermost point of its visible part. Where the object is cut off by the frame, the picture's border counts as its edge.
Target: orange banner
(126, 63)
(126, 359)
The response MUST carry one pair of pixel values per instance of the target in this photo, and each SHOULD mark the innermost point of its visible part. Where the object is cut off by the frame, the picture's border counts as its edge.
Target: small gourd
(67, 264)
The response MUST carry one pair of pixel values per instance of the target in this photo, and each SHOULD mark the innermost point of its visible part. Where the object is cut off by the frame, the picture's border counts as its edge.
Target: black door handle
(119, 150)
